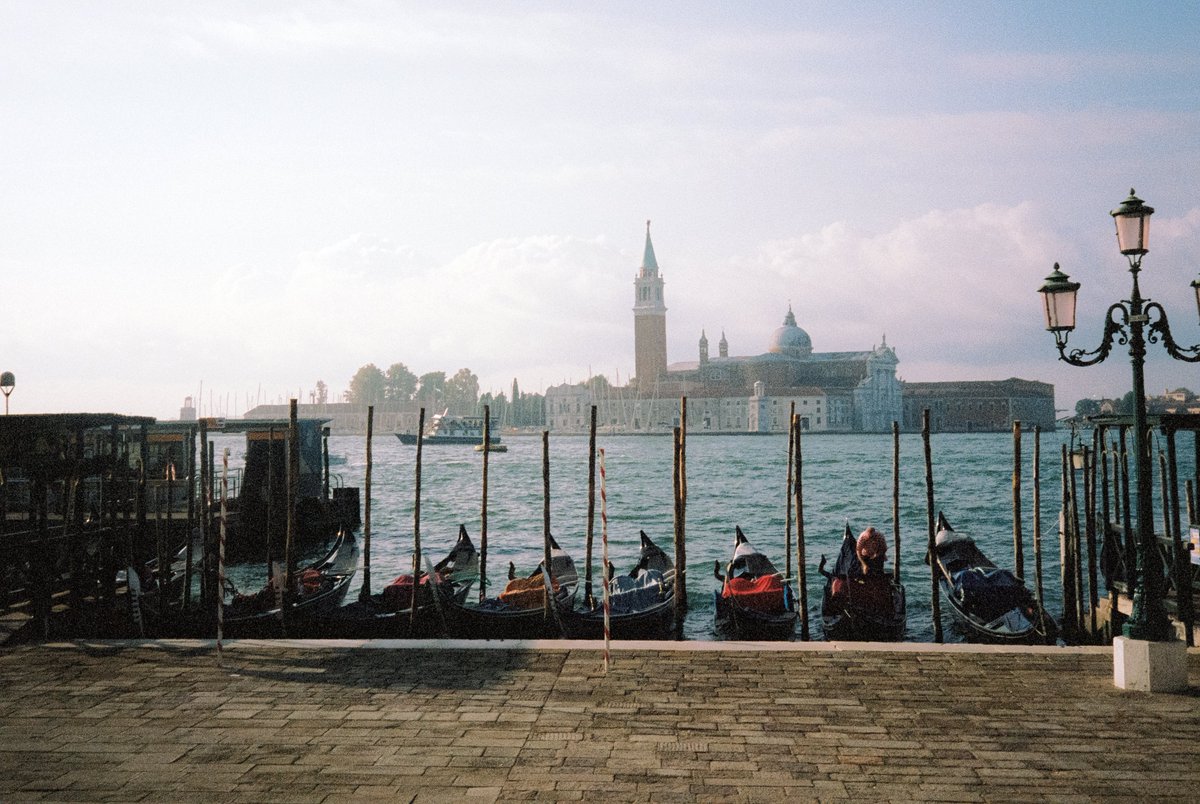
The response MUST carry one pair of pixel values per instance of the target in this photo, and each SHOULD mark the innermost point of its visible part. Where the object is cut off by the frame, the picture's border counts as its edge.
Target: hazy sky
(252, 197)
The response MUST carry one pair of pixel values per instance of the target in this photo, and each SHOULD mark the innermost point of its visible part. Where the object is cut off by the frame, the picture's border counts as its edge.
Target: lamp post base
(1147, 666)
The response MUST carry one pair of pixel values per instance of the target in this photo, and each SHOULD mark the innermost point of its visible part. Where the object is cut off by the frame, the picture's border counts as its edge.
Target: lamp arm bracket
(1114, 332)
(1161, 330)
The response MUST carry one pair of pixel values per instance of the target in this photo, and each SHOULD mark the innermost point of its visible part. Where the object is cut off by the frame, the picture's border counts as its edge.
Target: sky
(233, 201)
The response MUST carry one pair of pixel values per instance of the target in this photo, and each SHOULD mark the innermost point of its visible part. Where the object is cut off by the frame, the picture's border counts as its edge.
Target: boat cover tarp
(526, 593)
(628, 595)
(399, 593)
(764, 593)
(988, 592)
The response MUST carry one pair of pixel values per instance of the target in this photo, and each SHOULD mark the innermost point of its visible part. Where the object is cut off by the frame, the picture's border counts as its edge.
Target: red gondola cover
(764, 593)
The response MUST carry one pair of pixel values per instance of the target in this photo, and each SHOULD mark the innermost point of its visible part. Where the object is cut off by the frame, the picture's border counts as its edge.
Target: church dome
(789, 340)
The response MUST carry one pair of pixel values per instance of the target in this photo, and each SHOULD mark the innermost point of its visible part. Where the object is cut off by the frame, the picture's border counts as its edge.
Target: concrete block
(1149, 666)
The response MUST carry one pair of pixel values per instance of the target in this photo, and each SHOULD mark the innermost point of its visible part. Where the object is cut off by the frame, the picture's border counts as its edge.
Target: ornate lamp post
(7, 383)
(1133, 321)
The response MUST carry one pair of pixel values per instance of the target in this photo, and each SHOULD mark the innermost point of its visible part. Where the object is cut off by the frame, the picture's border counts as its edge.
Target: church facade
(833, 392)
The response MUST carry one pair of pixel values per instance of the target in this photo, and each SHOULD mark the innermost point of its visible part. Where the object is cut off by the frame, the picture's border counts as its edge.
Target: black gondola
(320, 588)
(641, 603)
(519, 612)
(989, 604)
(388, 614)
(858, 606)
(754, 602)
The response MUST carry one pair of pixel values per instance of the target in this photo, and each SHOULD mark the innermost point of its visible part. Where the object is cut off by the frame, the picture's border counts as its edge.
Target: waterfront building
(833, 392)
(979, 406)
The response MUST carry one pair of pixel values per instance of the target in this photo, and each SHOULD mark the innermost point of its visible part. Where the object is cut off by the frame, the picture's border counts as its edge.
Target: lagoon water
(731, 480)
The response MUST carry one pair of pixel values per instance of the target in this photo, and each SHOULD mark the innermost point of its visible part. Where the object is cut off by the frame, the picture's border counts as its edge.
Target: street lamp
(1128, 322)
(7, 383)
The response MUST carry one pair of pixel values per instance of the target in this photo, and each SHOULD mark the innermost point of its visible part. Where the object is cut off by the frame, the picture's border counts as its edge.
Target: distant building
(834, 392)
(979, 406)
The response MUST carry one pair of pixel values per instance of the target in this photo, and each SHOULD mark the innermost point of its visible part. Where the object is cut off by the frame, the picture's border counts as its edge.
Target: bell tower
(649, 321)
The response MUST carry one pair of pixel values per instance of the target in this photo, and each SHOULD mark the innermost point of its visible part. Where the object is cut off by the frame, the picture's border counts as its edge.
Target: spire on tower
(649, 262)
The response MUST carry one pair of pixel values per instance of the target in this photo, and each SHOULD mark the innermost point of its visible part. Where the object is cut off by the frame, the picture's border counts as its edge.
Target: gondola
(147, 606)
(519, 612)
(641, 603)
(320, 588)
(754, 602)
(388, 614)
(858, 606)
(989, 604)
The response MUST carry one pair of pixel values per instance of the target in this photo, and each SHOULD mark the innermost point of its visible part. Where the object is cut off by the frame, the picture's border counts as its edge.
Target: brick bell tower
(649, 321)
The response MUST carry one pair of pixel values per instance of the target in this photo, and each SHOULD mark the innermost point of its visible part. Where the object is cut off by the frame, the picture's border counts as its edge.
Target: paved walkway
(676, 721)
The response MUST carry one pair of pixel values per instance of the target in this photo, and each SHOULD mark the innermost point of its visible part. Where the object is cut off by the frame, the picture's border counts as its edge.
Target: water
(731, 480)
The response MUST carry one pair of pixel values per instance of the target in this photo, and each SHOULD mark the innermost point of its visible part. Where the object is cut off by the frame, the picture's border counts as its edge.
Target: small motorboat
(641, 603)
(492, 448)
(388, 614)
(989, 604)
(860, 606)
(754, 601)
(520, 611)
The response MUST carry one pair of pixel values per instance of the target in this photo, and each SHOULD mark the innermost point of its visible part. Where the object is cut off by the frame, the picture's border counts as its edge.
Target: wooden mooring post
(293, 523)
(931, 556)
(679, 487)
(1066, 559)
(416, 559)
(801, 559)
(787, 492)
(896, 501)
(1018, 537)
(1090, 521)
(589, 601)
(1039, 590)
(483, 504)
(365, 592)
(548, 575)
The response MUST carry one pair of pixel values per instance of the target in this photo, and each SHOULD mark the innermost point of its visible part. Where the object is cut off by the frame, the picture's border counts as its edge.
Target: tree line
(434, 391)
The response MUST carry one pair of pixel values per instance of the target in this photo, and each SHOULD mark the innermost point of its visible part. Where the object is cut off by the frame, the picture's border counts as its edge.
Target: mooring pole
(896, 500)
(678, 531)
(365, 592)
(293, 493)
(681, 591)
(801, 559)
(1180, 565)
(1018, 537)
(933, 564)
(1037, 517)
(1066, 575)
(1089, 501)
(416, 560)
(548, 575)
(591, 514)
(1077, 545)
(483, 506)
(205, 508)
(787, 527)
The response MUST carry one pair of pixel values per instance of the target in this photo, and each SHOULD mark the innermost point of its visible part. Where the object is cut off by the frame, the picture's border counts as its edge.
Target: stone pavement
(670, 721)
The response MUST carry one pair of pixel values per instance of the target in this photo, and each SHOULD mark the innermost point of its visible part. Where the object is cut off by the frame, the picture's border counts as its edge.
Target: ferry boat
(447, 429)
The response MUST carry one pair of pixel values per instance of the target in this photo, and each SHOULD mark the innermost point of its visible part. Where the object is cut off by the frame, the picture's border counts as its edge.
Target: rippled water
(731, 480)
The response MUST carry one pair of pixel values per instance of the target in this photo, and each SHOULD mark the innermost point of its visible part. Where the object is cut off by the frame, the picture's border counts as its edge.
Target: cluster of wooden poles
(1106, 516)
